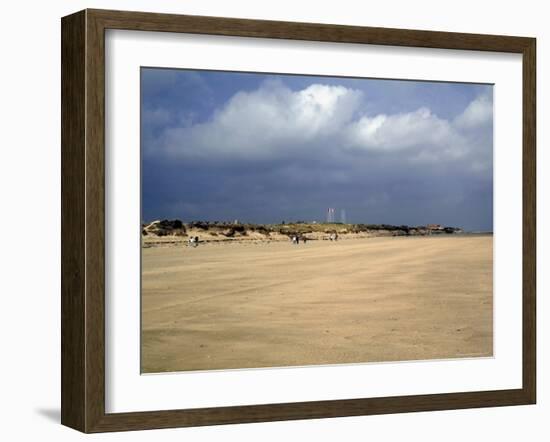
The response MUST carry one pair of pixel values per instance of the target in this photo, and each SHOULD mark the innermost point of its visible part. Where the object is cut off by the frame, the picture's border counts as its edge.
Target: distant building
(434, 227)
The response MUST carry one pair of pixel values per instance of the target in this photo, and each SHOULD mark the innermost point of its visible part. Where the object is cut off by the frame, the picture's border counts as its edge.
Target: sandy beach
(272, 304)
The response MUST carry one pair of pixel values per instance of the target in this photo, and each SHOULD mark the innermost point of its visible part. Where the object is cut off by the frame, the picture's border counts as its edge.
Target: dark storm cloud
(271, 148)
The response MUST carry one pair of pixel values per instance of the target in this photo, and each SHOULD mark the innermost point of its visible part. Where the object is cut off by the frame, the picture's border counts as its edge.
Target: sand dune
(242, 305)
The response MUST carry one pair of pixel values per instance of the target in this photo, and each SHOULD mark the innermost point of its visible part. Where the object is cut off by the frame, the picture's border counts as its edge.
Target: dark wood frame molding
(83, 217)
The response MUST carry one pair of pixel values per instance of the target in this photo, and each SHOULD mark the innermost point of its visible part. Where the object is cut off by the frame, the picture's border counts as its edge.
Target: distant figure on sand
(193, 241)
(295, 239)
(333, 236)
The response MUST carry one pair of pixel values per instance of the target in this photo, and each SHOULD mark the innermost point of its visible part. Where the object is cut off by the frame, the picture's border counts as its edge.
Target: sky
(267, 148)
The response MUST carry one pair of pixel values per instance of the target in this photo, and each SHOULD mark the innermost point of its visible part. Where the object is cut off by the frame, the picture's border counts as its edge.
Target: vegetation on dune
(235, 229)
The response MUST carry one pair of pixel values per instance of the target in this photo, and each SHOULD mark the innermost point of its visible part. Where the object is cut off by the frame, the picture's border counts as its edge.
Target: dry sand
(242, 305)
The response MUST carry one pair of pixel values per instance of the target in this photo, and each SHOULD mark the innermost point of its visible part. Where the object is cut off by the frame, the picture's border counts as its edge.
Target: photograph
(303, 220)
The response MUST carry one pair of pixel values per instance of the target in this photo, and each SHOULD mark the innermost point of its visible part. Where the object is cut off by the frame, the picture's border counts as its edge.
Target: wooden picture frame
(83, 220)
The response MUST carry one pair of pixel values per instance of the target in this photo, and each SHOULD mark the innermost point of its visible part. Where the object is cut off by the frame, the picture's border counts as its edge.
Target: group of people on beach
(296, 239)
(193, 241)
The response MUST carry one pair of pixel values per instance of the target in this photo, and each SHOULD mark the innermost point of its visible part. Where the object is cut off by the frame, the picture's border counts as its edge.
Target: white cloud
(417, 131)
(270, 120)
(273, 121)
(479, 112)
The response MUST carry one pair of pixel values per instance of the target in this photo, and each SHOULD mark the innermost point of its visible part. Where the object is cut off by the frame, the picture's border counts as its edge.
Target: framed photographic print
(270, 220)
